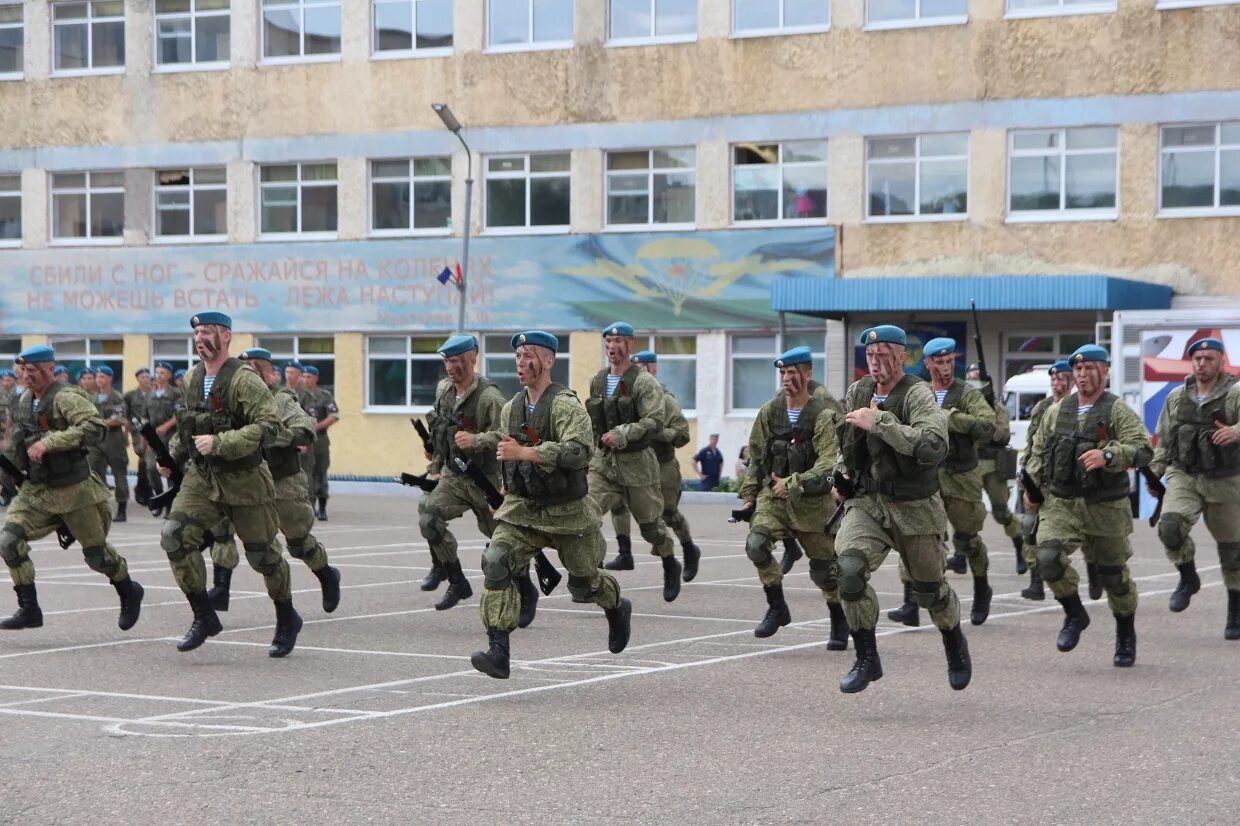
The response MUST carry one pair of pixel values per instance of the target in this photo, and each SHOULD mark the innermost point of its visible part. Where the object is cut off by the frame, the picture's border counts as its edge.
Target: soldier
(889, 457)
(86, 381)
(228, 413)
(995, 459)
(61, 374)
(136, 410)
(113, 452)
(54, 426)
(8, 404)
(322, 408)
(293, 374)
(162, 404)
(281, 451)
(793, 449)
(1081, 454)
(1198, 450)
(626, 411)
(178, 380)
(544, 444)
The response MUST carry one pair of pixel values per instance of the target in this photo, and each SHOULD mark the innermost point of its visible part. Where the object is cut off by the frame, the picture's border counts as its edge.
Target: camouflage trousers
(967, 516)
(1062, 529)
(998, 492)
(112, 455)
(316, 477)
(452, 497)
(38, 510)
(509, 554)
(645, 503)
(1184, 503)
(772, 521)
(296, 520)
(669, 485)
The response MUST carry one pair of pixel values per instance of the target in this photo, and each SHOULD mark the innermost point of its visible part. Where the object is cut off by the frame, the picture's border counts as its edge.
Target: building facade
(668, 162)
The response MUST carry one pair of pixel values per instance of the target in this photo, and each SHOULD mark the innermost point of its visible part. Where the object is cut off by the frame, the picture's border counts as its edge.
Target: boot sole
(36, 624)
(482, 664)
(333, 603)
(617, 565)
(772, 633)
(425, 586)
(278, 653)
(444, 605)
(1033, 597)
(863, 687)
(182, 648)
(1075, 643)
(836, 645)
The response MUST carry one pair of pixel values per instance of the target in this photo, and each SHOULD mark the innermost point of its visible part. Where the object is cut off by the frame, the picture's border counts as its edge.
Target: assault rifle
(1031, 488)
(424, 434)
(63, 535)
(1157, 488)
(988, 392)
(414, 481)
(164, 459)
(741, 515)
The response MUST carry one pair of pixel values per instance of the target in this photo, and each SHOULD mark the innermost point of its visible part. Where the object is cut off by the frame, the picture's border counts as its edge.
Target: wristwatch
(1108, 455)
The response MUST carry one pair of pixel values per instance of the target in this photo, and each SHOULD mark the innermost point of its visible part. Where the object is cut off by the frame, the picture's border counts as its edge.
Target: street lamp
(454, 126)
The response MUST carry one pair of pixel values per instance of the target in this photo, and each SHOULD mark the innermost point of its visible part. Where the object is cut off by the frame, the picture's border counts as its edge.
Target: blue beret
(211, 318)
(941, 346)
(619, 328)
(38, 354)
(59, 370)
(140, 371)
(296, 365)
(85, 371)
(1205, 344)
(312, 370)
(7, 374)
(105, 371)
(644, 357)
(166, 365)
(1060, 366)
(1089, 352)
(536, 337)
(884, 334)
(797, 355)
(255, 353)
(458, 344)
(178, 374)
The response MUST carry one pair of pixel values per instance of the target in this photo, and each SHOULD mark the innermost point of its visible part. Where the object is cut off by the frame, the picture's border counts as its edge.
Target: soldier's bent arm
(296, 426)
(490, 439)
(676, 433)
(490, 410)
(977, 418)
(1161, 459)
(1035, 453)
(925, 436)
(258, 409)
(573, 436)
(817, 480)
(1129, 440)
(86, 426)
(1231, 407)
(648, 396)
(757, 456)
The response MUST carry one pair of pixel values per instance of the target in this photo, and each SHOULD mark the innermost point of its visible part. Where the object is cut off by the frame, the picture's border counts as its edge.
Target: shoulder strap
(628, 380)
(1066, 421)
(866, 386)
(896, 399)
(598, 384)
(954, 394)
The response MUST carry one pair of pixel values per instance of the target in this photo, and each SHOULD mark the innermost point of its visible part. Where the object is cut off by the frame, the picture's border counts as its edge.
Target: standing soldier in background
(178, 380)
(61, 374)
(162, 404)
(113, 452)
(998, 464)
(293, 374)
(86, 381)
(136, 410)
(1082, 451)
(321, 406)
(1199, 451)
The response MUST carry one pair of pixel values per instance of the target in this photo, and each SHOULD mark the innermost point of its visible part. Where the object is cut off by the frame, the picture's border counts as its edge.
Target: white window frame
(651, 172)
(1059, 10)
(1062, 153)
(781, 165)
(918, 217)
(89, 191)
(14, 194)
(413, 50)
(1168, 5)
(1217, 148)
(193, 15)
(409, 357)
(20, 25)
(780, 346)
(646, 40)
(301, 185)
(504, 350)
(302, 57)
(649, 341)
(780, 29)
(917, 21)
(193, 188)
(190, 356)
(87, 355)
(530, 45)
(527, 176)
(10, 349)
(88, 21)
(411, 179)
(296, 354)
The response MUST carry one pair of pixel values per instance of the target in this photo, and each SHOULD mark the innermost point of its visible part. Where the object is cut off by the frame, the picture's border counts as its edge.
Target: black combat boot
(1021, 565)
(28, 613)
(777, 613)
(1125, 641)
(1035, 591)
(205, 624)
(458, 587)
(1232, 632)
(671, 578)
(1076, 620)
(982, 592)
(957, 563)
(120, 513)
(1188, 585)
(329, 583)
(623, 561)
(288, 626)
(130, 593)
(1095, 581)
(322, 514)
(867, 668)
(619, 625)
(219, 590)
(907, 613)
(792, 552)
(493, 662)
(529, 600)
(692, 554)
(959, 664)
(434, 576)
(838, 640)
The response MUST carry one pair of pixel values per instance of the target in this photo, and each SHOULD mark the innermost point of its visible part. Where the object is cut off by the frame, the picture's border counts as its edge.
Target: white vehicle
(1020, 394)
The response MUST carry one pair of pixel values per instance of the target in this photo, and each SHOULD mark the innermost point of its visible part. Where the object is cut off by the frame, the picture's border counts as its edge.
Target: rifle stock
(164, 459)
(424, 434)
(1157, 488)
(415, 481)
(1031, 488)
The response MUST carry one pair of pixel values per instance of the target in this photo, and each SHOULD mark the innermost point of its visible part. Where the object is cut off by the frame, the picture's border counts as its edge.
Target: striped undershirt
(794, 414)
(207, 381)
(879, 399)
(940, 395)
(613, 381)
(1082, 409)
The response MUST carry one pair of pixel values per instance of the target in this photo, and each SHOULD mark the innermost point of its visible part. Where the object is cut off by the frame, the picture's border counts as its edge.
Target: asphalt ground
(377, 717)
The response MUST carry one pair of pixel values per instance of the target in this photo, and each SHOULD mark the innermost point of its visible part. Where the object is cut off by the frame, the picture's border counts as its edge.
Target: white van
(1020, 394)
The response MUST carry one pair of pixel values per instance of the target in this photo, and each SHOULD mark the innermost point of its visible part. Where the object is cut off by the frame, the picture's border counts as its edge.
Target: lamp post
(454, 126)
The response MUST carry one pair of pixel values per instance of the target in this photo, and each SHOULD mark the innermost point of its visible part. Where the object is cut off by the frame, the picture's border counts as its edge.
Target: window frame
(300, 184)
(653, 38)
(918, 217)
(192, 188)
(89, 358)
(530, 45)
(20, 25)
(190, 358)
(90, 192)
(649, 341)
(301, 57)
(413, 51)
(1217, 148)
(651, 171)
(780, 346)
(411, 179)
(914, 22)
(89, 22)
(781, 165)
(781, 29)
(14, 194)
(504, 350)
(1062, 213)
(194, 65)
(280, 355)
(527, 175)
(1059, 10)
(10, 349)
(408, 357)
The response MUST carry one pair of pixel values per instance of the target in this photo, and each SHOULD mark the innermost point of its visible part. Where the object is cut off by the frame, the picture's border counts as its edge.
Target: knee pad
(1112, 577)
(964, 543)
(497, 576)
(1001, 514)
(925, 594)
(619, 509)
(433, 526)
(12, 535)
(1228, 555)
(262, 558)
(854, 573)
(824, 573)
(172, 537)
(94, 556)
(1050, 565)
(297, 547)
(1173, 530)
(581, 589)
(758, 548)
(651, 532)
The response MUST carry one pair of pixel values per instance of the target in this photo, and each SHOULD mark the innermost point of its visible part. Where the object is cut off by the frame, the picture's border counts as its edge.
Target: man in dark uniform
(321, 406)
(136, 410)
(162, 405)
(113, 452)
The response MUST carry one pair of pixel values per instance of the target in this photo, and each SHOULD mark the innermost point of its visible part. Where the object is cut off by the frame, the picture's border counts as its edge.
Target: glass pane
(805, 192)
(892, 189)
(815, 341)
(10, 183)
(549, 202)
(318, 172)
(806, 12)
(877, 11)
(318, 345)
(327, 371)
(279, 210)
(884, 148)
(1071, 342)
(1043, 139)
(1188, 135)
(683, 158)
(108, 8)
(389, 206)
(1187, 179)
(388, 344)
(393, 26)
(71, 47)
(323, 30)
(212, 5)
(755, 153)
(1035, 183)
(211, 175)
(11, 13)
(506, 203)
(755, 193)
(628, 160)
(11, 54)
(210, 212)
(432, 204)
(1229, 133)
(69, 11)
(627, 207)
(1030, 344)
(753, 383)
(680, 376)
(940, 145)
(1090, 181)
(674, 17)
(508, 22)
(432, 166)
(805, 151)
(675, 345)
(172, 221)
(214, 39)
(318, 209)
(175, 44)
(278, 173)
(434, 24)
(425, 377)
(389, 169)
(280, 346)
(944, 187)
(10, 217)
(503, 371)
(631, 18)
(674, 198)
(107, 215)
(756, 14)
(1229, 184)
(1101, 137)
(553, 21)
(388, 382)
(558, 162)
(754, 345)
(425, 345)
(69, 180)
(108, 46)
(945, 8)
(503, 165)
(107, 179)
(281, 33)
(162, 347)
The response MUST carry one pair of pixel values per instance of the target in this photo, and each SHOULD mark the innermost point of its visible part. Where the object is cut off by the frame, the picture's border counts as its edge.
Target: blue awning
(836, 297)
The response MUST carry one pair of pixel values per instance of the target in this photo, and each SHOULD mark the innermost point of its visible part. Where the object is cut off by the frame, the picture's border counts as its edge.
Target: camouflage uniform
(161, 405)
(136, 409)
(992, 459)
(113, 452)
(320, 404)
(8, 409)
(970, 422)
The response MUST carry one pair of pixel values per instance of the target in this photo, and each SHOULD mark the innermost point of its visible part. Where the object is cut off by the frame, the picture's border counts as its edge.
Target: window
(191, 203)
(754, 377)
(896, 14)
(779, 181)
(88, 36)
(12, 35)
(677, 365)
(1041, 8)
(654, 186)
(411, 26)
(499, 364)
(411, 195)
(1200, 169)
(319, 351)
(9, 348)
(192, 33)
(923, 176)
(528, 191)
(1023, 352)
(647, 20)
(780, 16)
(1059, 173)
(88, 205)
(298, 198)
(76, 353)
(516, 24)
(10, 210)
(402, 371)
(176, 350)
(301, 29)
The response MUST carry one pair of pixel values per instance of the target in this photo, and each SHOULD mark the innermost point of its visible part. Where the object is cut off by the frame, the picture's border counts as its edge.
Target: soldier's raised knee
(297, 547)
(581, 588)
(1002, 514)
(925, 594)
(262, 558)
(11, 537)
(94, 556)
(854, 572)
(652, 532)
(1173, 530)
(1228, 556)
(965, 543)
(758, 548)
(172, 537)
(1050, 560)
(1112, 578)
(824, 573)
(497, 575)
(431, 524)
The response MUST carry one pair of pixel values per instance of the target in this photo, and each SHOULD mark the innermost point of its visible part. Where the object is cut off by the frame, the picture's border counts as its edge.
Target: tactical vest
(59, 468)
(996, 446)
(607, 412)
(210, 416)
(161, 409)
(109, 407)
(445, 420)
(1069, 480)
(283, 461)
(961, 449)
(1190, 445)
(789, 449)
(877, 467)
(528, 479)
